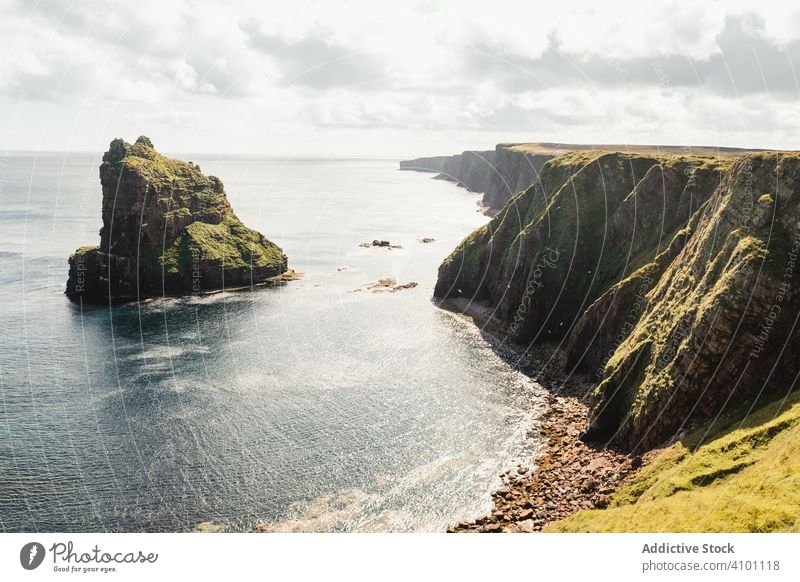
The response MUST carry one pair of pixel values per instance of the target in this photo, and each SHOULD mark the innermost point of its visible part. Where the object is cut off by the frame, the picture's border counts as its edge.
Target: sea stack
(167, 230)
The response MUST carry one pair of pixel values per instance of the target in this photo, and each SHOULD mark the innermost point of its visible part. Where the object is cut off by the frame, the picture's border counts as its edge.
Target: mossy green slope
(673, 279)
(739, 477)
(590, 220)
(719, 324)
(228, 243)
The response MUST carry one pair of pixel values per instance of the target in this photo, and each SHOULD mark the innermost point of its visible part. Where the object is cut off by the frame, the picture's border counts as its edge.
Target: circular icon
(31, 555)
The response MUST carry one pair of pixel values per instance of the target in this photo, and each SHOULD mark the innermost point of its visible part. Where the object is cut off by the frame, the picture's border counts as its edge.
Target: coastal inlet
(304, 406)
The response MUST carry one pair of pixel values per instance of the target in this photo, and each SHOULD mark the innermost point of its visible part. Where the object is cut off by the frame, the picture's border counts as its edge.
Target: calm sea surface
(310, 406)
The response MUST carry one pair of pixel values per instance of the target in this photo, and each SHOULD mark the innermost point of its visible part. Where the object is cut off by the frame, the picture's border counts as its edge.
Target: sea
(318, 405)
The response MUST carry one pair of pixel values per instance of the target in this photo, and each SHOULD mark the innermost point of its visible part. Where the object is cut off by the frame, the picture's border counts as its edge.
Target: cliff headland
(663, 287)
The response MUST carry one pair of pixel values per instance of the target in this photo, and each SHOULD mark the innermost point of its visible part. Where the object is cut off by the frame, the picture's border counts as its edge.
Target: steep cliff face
(470, 169)
(498, 174)
(650, 228)
(589, 221)
(432, 164)
(720, 324)
(672, 278)
(514, 170)
(167, 229)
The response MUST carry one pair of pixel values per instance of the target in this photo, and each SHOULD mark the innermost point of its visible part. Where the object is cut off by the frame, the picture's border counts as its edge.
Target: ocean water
(311, 406)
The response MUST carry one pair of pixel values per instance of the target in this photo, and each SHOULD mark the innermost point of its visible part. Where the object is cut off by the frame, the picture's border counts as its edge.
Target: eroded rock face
(720, 324)
(652, 224)
(672, 279)
(591, 220)
(471, 170)
(429, 164)
(498, 174)
(513, 172)
(167, 229)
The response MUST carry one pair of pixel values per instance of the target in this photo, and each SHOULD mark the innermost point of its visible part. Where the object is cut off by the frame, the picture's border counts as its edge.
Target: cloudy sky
(396, 78)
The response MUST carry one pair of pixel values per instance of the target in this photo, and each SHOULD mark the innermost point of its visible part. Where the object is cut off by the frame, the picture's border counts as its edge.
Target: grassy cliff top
(653, 150)
(141, 158)
(739, 477)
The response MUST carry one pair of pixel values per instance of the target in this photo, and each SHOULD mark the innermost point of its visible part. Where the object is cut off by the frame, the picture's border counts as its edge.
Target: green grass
(229, 243)
(739, 256)
(160, 171)
(84, 250)
(743, 477)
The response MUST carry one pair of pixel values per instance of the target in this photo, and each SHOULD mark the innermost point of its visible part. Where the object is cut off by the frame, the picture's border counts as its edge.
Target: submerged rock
(380, 243)
(210, 527)
(167, 230)
(389, 284)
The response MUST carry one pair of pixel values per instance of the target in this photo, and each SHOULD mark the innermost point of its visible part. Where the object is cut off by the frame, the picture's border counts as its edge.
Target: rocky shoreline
(567, 474)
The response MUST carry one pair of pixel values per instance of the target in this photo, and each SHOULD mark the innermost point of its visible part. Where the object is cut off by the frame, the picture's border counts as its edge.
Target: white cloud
(265, 74)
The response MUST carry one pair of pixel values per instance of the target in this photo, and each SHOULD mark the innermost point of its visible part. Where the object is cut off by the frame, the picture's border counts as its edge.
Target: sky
(396, 79)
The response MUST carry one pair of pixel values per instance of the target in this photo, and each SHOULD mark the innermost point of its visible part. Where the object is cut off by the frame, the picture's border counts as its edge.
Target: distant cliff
(471, 169)
(167, 229)
(671, 279)
(498, 174)
(514, 170)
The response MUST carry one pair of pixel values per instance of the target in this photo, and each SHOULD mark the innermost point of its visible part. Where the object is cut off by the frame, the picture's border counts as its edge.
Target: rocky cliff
(513, 167)
(514, 170)
(470, 169)
(498, 174)
(720, 324)
(167, 230)
(432, 164)
(670, 278)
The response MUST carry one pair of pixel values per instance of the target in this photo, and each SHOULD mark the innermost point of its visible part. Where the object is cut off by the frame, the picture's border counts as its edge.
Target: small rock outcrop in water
(167, 230)
(380, 243)
(389, 284)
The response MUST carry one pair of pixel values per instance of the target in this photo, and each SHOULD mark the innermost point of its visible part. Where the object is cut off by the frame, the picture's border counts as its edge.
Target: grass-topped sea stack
(167, 230)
